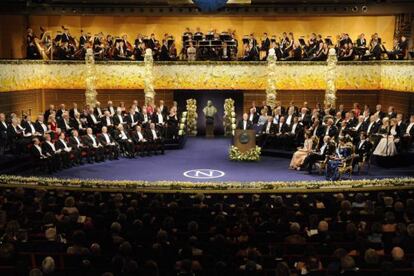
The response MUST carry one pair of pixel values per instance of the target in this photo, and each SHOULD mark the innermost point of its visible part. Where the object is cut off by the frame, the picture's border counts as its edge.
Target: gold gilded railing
(18, 75)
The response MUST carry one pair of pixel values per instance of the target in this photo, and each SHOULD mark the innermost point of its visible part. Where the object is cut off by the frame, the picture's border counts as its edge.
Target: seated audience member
(155, 140)
(125, 142)
(40, 156)
(324, 151)
(3, 134)
(386, 146)
(300, 155)
(267, 133)
(109, 144)
(141, 143)
(96, 150)
(78, 147)
(40, 126)
(119, 118)
(78, 124)
(245, 123)
(362, 149)
(66, 151)
(341, 155)
(54, 154)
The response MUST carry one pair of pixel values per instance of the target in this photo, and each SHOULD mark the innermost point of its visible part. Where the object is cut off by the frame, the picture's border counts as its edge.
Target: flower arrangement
(212, 187)
(250, 155)
(182, 126)
(229, 118)
(192, 117)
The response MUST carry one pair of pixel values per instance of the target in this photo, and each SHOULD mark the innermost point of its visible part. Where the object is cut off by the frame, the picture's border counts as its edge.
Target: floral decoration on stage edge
(174, 186)
(250, 155)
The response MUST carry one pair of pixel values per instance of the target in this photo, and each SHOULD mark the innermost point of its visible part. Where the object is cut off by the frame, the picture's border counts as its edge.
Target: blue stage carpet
(201, 153)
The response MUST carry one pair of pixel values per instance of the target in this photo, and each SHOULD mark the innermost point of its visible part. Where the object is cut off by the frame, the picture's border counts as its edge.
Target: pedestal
(209, 130)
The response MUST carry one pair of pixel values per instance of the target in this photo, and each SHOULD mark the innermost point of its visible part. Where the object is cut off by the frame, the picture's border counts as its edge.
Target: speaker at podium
(244, 140)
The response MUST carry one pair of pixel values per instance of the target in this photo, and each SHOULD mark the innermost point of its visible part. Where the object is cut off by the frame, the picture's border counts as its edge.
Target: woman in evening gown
(300, 155)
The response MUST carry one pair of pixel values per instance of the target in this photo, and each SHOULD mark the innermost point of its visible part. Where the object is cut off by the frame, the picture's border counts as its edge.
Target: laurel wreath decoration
(251, 155)
(229, 118)
(192, 117)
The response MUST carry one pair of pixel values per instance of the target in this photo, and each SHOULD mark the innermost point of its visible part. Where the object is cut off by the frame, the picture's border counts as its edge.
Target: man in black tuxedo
(65, 151)
(253, 116)
(391, 112)
(73, 110)
(107, 122)
(3, 133)
(408, 134)
(295, 136)
(132, 119)
(145, 119)
(265, 45)
(155, 139)
(109, 144)
(305, 118)
(118, 118)
(49, 149)
(267, 133)
(268, 108)
(125, 142)
(111, 108)
(374, 125)
(40, 156)
(163, 108)
(94, 122)
(378, 111)
(64, 123)
(98, 110)
(48, 112)
(78, 147)
(29, 128)
(245, 123)
(327, 149)
(60, 112)
(141, 143)
(281, 133)
(95, 148)
(330, 129)
(78, 124)
(40, 126)
(362, 149)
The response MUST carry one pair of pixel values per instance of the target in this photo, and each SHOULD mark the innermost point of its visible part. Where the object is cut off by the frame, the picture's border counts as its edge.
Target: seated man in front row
(155, 140)
(245, 123)
(327, 149)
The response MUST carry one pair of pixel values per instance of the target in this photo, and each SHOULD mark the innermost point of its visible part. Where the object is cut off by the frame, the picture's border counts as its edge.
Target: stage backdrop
(12, 27)
(217, 97)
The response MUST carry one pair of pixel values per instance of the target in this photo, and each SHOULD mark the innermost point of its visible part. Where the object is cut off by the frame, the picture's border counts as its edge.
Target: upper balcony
(16, 75)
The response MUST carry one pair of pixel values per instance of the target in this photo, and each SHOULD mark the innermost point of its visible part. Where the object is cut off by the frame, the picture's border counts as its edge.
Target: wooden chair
(346, 166)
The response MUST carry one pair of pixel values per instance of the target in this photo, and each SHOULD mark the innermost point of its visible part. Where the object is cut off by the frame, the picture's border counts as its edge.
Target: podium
(244, 140)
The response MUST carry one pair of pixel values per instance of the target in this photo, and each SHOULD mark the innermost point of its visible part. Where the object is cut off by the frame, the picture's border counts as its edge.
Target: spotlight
(354, 9)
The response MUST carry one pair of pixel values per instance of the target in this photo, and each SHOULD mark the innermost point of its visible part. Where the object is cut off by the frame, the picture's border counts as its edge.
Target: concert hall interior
(206, 137)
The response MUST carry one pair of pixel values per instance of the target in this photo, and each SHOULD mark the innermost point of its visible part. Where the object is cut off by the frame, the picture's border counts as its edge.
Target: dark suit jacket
(95, 111)
(27, 128)
(62, 125)
(75, 124)
(104, 122)
(333, 131)
(364, 149)
(38, 127)
(60, 145)
(155, 118)
(149, 137)
(102, 139)
(255, 118)
(135, 137)
(87, 141)
(35, 152)
(46, 148)
(249, 125)
(73, 143)
(284, 128)
(59, 113)
(128, 119)
(90, 120)
(272, 129)
(306, 121)
(116, 119)
(3, 131)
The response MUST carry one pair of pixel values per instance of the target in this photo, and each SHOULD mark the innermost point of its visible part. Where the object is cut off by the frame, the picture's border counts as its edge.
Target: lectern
(245, 140)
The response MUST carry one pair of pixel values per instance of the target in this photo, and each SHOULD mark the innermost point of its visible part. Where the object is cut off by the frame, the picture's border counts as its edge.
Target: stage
(207, 160)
